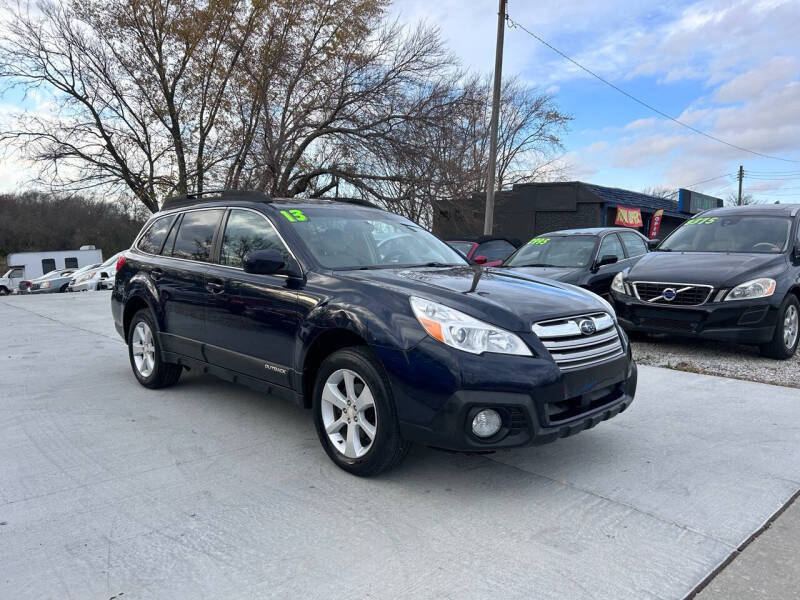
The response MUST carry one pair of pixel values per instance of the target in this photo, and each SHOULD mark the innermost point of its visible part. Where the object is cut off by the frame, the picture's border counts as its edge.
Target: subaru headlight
(617, 284)
(757, 288)
(463, 332)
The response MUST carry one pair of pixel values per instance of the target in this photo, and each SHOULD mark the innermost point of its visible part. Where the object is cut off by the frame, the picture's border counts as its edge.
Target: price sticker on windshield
(539, 241)
(294, 215)
(701, 221)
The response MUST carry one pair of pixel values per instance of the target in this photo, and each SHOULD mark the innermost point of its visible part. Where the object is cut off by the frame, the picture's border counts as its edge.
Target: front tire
(146, 356)
(4, 291)
(787, 331)
(355, 414)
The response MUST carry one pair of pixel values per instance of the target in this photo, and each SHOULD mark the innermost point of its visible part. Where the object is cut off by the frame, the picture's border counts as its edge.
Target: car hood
(566, 274)
(720, 269)
(503, 297)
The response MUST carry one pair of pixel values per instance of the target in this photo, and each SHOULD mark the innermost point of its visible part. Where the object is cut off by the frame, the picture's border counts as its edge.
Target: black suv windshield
(735, 233)
(354, 238)
(555, 251)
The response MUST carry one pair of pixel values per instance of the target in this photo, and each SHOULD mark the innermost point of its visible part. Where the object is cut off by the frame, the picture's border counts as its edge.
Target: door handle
(156, 274)
(214, 287)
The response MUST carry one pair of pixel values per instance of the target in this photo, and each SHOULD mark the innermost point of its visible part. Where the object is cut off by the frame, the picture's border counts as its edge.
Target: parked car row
(97, 276)
(729, 274)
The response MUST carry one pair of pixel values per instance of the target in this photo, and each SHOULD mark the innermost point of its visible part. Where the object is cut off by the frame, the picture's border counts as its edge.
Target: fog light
(486, 423)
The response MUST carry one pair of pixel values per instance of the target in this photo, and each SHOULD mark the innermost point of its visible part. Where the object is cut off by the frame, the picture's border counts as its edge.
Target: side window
(634, 245)
(16, 273)
(48, 264)
(495, 250)
(70, 263)
(196, 235)
(173, 233)
(611, 245)
(153, 238)
(246, 231)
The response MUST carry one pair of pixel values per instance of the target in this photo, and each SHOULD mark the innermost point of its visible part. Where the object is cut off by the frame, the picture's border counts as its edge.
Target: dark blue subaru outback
(379, 327)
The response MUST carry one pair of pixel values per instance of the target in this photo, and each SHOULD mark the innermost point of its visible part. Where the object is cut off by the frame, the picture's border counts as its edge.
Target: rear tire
(351, 385)
(787, 331)
(146, 355)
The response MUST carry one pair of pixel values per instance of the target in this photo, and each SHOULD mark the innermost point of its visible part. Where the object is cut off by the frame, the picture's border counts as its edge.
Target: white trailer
(25, 266)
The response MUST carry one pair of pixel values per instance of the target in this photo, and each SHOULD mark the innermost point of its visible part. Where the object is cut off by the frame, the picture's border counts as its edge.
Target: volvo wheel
(787, 331)
(145, 354)
(355, 415)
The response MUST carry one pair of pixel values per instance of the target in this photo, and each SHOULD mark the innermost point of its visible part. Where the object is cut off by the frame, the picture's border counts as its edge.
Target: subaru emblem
(587, 327)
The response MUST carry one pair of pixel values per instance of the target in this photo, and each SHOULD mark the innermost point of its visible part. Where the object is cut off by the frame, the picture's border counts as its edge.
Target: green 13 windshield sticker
(701, 221)
(293, 215)
(539, 241)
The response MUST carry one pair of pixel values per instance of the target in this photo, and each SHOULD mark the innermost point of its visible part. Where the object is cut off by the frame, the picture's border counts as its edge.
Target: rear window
(196, 235)
(463, 247)
(152, 239)
(495, 250)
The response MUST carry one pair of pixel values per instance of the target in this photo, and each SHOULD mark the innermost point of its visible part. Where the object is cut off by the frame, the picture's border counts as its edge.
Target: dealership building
(530, 209)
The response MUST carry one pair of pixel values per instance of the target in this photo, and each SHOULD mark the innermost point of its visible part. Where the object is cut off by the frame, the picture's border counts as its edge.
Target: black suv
(388, 343)
(729, 274)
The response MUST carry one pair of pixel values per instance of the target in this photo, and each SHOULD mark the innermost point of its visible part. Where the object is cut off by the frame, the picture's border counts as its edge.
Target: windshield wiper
(533, 265)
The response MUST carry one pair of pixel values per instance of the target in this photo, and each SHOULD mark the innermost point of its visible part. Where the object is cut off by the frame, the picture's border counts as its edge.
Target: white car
(99, 278)
(10, 281)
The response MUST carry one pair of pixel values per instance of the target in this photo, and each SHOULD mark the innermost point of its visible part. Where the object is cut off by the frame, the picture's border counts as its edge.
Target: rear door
(180, 279)
(252, 320)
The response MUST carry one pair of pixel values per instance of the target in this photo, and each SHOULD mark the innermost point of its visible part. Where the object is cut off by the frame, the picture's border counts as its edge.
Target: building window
(71, 262)
(48, 264)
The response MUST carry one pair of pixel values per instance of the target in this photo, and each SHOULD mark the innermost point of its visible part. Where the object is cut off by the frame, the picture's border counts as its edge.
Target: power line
(704, 181)
(513, 24)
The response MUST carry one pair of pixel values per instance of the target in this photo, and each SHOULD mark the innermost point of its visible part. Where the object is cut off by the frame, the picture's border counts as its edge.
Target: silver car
(52, 282)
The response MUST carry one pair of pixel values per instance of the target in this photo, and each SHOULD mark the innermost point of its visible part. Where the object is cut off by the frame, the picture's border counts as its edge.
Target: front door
(601, 277)
(252, 320)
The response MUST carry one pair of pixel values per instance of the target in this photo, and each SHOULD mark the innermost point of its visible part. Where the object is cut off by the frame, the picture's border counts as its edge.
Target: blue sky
(729, 68)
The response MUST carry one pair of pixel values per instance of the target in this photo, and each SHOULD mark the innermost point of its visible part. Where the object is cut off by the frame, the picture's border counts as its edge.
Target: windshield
(342, 237)
(463, 247)
(735, 233)
(555, 251)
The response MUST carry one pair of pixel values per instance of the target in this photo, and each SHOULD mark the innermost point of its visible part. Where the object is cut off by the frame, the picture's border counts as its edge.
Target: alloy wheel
(348, 413)
(143, 349)
(791, 325)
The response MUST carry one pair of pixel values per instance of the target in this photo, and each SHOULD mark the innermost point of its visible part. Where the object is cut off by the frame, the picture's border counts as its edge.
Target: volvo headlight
(757, 288)
(463, 332)
(617, 284)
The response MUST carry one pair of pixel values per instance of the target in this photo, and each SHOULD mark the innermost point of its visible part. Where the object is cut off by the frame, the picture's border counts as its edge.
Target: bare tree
(138, 88)
(733, 200)
(661, 191)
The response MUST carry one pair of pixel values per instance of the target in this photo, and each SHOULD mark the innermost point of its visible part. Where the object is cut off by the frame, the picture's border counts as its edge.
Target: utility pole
(488, 222)
(741, 176)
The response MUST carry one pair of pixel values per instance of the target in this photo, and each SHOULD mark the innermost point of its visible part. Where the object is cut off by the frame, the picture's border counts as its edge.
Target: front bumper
(438, 390)
(739, 321)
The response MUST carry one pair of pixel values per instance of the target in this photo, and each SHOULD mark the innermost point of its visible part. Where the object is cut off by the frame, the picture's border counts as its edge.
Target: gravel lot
(716, 358)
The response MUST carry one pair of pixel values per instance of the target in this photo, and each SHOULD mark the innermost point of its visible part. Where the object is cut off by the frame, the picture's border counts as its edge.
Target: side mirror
(606, 259)
(652, 244)
(480, 259)
(270, 262)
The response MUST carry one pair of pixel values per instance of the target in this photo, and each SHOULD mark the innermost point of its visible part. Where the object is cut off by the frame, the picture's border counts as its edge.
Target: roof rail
(214, 196)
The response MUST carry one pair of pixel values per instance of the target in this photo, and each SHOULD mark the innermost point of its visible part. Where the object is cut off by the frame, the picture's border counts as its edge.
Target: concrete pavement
(210, 490)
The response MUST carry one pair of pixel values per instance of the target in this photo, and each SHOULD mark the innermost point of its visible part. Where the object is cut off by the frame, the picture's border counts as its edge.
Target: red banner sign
(655, 223)
(629, 217)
